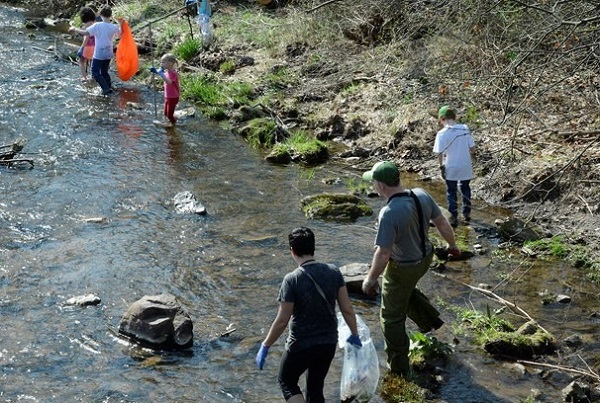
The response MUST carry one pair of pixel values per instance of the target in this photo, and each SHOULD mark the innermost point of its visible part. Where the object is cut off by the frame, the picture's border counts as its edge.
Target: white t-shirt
(455, 142)
(104, 32)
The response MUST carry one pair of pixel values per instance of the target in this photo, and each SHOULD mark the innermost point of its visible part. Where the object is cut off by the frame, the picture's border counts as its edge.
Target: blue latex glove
(261, 355)
(160, 72)
(354, 340)
(80, 52)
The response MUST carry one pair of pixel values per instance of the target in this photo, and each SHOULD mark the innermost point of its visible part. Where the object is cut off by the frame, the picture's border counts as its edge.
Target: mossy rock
(528, 341)
(336, 207)
(259, 131)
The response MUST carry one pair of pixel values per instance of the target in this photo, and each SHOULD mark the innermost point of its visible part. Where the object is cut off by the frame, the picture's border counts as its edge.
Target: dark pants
(316, 361)
(100, 74)
(451, 193)
(397, 301)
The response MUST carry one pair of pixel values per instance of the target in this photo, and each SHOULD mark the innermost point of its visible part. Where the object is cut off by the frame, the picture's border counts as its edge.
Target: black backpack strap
(420, 213)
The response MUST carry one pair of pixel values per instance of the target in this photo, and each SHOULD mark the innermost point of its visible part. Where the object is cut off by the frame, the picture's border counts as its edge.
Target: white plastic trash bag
(360, 371)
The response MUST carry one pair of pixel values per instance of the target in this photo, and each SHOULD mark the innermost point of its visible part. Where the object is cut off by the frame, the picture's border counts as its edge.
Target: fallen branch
(588, 373)
(159, 18)
(320, 5)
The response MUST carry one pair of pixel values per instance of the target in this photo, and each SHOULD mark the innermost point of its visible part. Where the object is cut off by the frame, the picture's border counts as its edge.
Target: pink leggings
(170, 104)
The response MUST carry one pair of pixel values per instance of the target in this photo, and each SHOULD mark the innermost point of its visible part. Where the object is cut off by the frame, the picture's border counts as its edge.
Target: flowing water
(95, 215)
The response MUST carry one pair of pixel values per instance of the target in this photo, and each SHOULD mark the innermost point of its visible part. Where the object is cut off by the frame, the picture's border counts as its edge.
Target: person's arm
(284, 313)
(79, 31)
(120, 24)
(346, 309)
(446, 231)
(166, 78)
(381, 258)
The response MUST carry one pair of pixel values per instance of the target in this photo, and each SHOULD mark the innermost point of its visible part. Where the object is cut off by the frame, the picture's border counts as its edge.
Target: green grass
(555, 246)
(227, 67)
(357, 185)
(281, 78)
(208, 90)
(188, 49)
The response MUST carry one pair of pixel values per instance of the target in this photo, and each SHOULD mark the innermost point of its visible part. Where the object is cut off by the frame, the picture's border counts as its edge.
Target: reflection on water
(95, 216)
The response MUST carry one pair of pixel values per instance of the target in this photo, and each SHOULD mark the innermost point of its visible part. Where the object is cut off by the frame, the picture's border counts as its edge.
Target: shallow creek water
(102, 158)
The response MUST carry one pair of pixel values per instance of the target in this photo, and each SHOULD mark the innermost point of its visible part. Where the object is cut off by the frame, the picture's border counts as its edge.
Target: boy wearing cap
(403, 254)
(454, 146)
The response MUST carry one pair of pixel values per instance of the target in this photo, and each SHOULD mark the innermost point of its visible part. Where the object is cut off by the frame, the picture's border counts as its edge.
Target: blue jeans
(465, 190)
(100, 74)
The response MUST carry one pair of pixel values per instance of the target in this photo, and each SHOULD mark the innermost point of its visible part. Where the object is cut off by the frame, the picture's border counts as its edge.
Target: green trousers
(399, 299)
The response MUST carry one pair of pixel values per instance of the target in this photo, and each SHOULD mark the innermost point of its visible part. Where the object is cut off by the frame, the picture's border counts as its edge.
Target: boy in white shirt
(454, 146)
(104, 32)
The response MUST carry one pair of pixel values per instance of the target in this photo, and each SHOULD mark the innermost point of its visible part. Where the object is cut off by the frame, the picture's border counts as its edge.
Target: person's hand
(261, 355)
(160, 72)
(453, 251)
(443, 171)
(354, 340)
(368, 286)
(80, 52)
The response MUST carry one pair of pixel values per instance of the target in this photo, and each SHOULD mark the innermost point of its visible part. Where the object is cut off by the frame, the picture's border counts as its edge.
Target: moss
(299, 148)
(394, 388)
(343, 207)
(259, 132)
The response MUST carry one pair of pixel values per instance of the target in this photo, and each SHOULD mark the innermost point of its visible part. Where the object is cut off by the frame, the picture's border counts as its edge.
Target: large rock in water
(186, 203)
(158, 321)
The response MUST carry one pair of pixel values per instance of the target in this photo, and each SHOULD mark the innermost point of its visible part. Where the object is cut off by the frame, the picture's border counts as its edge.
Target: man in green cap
(403, 254)
(454, 146)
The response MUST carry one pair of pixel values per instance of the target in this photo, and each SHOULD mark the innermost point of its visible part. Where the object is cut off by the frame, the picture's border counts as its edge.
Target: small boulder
(159, 322)
(84, 300)
(576, 392)
(354, 274)
(519, 231)
(186, 203)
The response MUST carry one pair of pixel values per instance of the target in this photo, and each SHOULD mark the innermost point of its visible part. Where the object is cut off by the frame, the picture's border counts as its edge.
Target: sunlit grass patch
(188, 49)
(208, 90)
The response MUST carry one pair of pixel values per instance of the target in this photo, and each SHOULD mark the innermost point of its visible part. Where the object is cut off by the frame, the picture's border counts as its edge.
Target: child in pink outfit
(86, 51)
(171, 84)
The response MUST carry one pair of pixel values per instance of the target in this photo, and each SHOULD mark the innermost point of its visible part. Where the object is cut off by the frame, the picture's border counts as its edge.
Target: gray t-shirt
(399, 226)
(313, 321)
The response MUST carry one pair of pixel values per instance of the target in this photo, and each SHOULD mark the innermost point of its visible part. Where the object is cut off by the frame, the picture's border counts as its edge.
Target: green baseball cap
(446, 112)
(383, 171)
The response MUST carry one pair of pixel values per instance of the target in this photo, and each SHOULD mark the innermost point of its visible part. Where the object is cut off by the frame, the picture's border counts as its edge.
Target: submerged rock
(158, 321)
